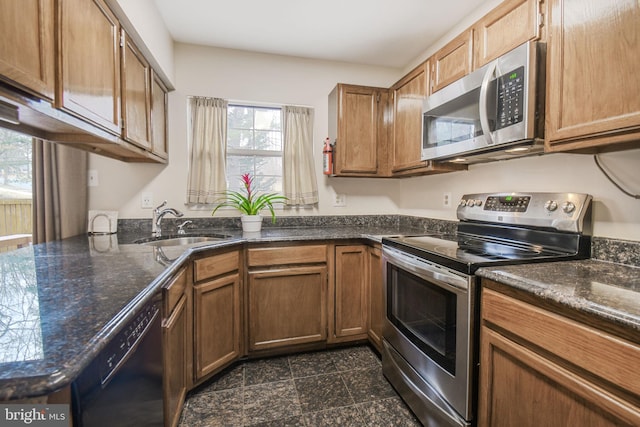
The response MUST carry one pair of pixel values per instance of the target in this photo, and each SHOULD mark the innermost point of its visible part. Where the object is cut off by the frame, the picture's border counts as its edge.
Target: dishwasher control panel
(117, 351)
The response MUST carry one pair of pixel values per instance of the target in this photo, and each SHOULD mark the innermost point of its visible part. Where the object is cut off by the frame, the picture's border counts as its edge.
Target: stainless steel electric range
(430, 337)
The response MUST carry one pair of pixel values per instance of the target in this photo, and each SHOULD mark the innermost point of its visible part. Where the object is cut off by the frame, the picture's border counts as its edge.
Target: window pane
(268, 165)
(240, 117)
(267, 119)
(237, 138)
(268, 140)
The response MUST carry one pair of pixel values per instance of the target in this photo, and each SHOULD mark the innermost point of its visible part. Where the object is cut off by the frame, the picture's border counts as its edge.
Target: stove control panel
(560, 211)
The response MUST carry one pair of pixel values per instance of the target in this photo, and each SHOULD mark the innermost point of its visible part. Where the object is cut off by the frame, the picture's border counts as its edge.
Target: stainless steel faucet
(158, 214)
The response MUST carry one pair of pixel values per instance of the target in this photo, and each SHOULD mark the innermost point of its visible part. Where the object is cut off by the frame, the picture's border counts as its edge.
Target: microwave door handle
(484, 88)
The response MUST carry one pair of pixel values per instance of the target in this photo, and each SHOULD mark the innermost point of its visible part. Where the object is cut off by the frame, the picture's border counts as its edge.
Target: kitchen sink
(180, 240)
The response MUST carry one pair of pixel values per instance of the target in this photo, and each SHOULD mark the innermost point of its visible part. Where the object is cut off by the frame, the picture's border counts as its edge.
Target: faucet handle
(181, 226)
(162, 205)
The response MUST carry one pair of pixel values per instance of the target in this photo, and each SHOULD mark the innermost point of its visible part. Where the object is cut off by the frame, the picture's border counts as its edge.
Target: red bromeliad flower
(250, 203)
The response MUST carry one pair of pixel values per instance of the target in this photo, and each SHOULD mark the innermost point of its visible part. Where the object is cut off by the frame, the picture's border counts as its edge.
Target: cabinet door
(506, 27)
(592, 79)
(376, 297)
(351, 297)
(287, 306)
(136, 95)
(159, 118)
(90, 62)
(409, 95)
(27, 47)
(521, 388)
(452, 61)
(217, 323)
(174, 333)
(356, 145)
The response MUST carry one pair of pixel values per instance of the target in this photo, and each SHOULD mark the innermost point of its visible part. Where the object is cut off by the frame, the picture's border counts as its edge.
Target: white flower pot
(251, 223)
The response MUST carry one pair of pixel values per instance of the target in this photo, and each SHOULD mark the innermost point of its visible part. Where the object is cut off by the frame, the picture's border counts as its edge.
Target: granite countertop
(608, 290)
(62, 302)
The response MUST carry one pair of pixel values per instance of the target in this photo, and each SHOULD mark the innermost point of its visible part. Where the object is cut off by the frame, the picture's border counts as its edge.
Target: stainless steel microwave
(494, 113)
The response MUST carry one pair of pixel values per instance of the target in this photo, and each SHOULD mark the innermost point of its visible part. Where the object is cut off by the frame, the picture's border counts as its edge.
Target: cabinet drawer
(173, 291)
(216, 265)
(606, 356)
(308, 254)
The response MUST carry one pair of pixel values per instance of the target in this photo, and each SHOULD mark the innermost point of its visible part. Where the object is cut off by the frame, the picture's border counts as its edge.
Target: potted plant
(250, 203)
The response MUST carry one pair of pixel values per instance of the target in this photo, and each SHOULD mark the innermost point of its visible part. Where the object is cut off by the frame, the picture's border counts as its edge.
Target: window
(254, 145)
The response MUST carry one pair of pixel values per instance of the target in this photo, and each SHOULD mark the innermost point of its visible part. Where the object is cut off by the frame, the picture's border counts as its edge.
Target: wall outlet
(446, 199)
(147, 201)
(340, 200)
(92, 178)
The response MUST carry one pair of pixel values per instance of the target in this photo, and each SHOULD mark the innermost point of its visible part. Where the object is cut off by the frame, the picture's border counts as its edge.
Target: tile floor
(340, 387)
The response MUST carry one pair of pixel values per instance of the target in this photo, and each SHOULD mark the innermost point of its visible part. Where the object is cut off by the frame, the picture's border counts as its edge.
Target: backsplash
(603, 249)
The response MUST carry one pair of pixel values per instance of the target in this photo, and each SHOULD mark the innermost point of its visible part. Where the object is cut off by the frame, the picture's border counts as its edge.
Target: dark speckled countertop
(608, 290)
(62, 302)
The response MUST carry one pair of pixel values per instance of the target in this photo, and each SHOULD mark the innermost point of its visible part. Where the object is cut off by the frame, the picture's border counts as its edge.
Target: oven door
(428, 334)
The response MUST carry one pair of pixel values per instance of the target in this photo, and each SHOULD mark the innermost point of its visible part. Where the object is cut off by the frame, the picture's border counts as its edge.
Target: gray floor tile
(322, 392)
(350, 358)
(286, 422)
(227, 379)
(387, 412)
(308, 364)
(219, 408)
(348, 416)
(270, 402)
(367, 385)
(266, 371)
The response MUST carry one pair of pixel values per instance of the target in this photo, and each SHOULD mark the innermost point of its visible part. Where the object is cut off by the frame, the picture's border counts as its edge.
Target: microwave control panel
(510, 93)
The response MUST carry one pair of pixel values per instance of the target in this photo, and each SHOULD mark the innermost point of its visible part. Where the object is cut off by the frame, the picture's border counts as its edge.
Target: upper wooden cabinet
(136, 95)
(159, 117)
(592, 74)
(357, 127)
(89, 56)
(406, 130)
(452, 61)
(27, 47)
(506, 27)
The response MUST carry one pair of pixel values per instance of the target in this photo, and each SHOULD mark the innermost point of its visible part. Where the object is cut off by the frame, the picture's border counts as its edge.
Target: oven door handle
(441, 277)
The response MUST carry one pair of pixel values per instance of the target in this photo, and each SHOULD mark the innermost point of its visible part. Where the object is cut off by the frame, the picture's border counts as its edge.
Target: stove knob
(568, 207)
(463, 202)
(471, 203)
(478, 202)
(551, 205)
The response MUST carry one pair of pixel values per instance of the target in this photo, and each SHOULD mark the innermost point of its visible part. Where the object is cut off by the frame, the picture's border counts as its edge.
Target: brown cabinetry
(286, 296)
(27, 47)
(376, 296)
(350, 297)
(506, 27)
(592, 82)
(136, 95)
(451, 62)
(174, 345)
(408, 96)
(216, 312)
(538, 367)
(357, 126)
(89, 37)
(159, 145)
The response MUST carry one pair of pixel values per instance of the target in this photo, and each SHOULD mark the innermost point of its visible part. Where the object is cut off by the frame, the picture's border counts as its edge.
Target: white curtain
(299, 177)
(208, 137)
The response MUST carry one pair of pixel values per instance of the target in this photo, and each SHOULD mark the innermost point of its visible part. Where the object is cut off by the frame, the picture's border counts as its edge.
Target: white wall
(242, 76)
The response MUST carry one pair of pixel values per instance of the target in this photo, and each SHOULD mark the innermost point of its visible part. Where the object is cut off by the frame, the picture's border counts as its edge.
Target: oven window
(425, 313)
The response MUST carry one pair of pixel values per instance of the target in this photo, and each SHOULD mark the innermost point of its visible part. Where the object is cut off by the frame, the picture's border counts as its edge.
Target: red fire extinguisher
(327, 158)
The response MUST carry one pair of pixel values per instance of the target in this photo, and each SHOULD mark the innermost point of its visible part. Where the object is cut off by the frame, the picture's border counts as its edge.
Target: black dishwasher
(123, 385)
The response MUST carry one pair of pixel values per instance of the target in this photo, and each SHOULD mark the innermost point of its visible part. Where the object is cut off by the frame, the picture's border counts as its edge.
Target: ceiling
(376, 32)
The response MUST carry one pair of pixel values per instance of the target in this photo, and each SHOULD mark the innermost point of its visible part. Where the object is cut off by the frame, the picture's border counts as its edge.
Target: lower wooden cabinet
(174, 337)
(376, 296)
(175, 342)
(350, 296)
(217, 313)
(538, 368)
